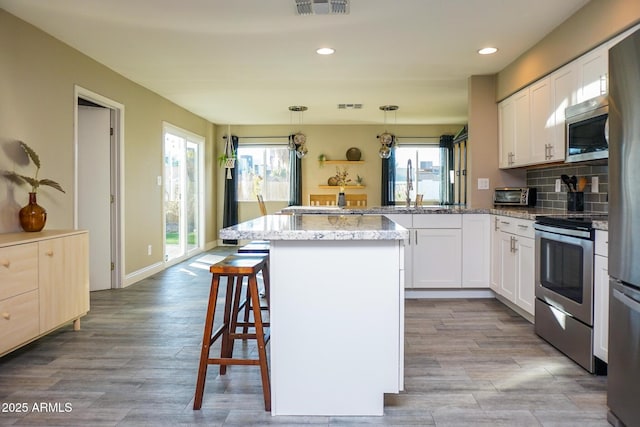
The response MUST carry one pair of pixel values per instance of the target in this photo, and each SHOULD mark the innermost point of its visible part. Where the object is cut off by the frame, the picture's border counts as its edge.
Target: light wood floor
(134, 363)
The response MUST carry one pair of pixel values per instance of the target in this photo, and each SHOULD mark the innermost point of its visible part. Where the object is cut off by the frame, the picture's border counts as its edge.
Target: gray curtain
(295, 180)
(230, 214)
(387, 195)
(446, 160)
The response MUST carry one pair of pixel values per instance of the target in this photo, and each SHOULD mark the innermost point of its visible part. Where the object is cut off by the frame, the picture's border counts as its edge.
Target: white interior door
(94, 190)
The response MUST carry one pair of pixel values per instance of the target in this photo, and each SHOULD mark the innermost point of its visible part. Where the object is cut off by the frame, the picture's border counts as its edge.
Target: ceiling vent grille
(349, 106)
(322, 7)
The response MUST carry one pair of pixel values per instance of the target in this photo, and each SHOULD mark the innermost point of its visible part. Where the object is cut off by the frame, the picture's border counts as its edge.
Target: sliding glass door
(182, 193)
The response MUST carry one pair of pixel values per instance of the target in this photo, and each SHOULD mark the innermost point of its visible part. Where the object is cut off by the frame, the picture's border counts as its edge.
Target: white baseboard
(143, 273)
(448, 293)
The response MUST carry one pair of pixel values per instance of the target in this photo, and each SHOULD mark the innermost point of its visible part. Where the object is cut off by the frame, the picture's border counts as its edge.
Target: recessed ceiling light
(325, 51)
(487, 50)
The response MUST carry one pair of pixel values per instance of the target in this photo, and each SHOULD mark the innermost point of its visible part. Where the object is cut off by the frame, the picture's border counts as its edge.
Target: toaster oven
(514, 196)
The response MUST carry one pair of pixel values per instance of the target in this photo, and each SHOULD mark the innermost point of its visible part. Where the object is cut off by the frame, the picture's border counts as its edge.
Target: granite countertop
(523, 213)
(317, 227)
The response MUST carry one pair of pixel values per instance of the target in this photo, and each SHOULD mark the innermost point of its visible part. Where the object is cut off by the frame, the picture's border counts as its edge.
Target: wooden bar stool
(235, 268)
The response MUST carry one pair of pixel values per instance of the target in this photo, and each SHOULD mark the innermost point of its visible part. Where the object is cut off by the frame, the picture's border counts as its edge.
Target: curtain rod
(417, 137)
(259, 137)
(287, 136)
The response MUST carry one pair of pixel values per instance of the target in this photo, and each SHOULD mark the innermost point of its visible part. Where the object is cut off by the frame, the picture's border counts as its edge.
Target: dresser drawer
(18, 269)
(19, 320)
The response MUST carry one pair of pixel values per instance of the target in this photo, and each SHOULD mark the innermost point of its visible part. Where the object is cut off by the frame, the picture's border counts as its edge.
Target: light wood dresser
(44, 283)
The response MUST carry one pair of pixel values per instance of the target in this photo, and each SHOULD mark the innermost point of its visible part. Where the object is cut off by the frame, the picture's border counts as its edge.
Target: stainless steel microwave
(587, 133)
(514, 196)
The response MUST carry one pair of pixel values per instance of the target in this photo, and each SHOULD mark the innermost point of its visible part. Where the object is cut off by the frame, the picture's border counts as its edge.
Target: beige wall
(37, 78)
(482, 146)
(589, 27)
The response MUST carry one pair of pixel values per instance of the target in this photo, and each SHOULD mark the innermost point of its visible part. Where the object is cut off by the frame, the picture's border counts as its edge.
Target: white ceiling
(246, 61)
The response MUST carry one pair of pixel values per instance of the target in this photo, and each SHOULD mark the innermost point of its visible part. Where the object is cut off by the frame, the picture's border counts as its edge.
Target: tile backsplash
(544, 180)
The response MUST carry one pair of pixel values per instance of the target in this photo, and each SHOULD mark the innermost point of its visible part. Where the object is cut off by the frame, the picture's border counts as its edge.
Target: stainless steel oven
(564, 286)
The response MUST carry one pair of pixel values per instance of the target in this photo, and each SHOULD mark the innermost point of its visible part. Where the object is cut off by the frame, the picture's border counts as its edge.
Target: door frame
(201, 142)
(117, 176)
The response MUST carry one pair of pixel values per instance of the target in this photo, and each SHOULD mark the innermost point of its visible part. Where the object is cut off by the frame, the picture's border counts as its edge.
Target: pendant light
(298, 141)
(387, 140)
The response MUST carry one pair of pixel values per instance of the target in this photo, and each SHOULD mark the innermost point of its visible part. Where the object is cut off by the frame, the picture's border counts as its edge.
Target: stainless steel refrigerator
(623, 389)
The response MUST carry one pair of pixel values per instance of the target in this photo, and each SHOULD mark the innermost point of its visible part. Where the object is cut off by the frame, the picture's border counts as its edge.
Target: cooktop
(571, 221)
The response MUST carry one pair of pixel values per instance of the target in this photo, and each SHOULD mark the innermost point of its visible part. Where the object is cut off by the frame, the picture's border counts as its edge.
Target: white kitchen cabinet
(542, 121)
(508, 273)
(601, 297)
(514, 125)
(592, 69)
(437, 255)
(45, 283)
(437, 250)
(433, 253)
(476, 250)
(525, 285)
(563, 84)
(515, 260)
(507, 135)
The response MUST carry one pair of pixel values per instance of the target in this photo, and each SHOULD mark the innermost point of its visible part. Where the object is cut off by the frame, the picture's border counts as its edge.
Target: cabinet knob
(6, 316)
(49, 253)
(5, 263)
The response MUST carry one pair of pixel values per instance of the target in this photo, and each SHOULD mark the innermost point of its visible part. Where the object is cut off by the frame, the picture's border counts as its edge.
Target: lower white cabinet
(513, 263)
(476, 251)
(601, 297)
(437, 254)
(446, 251)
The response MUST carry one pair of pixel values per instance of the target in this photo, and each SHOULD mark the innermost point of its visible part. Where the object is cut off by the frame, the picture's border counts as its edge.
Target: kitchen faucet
(409, 182)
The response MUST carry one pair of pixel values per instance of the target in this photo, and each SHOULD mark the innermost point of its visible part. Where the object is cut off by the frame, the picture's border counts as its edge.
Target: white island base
(337, 325)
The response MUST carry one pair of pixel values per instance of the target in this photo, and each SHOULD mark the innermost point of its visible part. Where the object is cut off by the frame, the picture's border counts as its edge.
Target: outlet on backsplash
(545, 180)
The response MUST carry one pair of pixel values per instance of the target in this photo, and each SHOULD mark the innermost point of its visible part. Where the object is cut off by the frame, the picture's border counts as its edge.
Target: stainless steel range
(564, 287)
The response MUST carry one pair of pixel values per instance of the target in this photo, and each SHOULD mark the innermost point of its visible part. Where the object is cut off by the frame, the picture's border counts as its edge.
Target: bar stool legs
(235, 268)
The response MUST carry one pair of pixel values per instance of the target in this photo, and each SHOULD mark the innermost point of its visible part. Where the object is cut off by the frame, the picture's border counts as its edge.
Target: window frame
(400, 196)
(243, 144)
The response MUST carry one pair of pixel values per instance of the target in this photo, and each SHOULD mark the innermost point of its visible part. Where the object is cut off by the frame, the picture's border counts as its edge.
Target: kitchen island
(337, 311)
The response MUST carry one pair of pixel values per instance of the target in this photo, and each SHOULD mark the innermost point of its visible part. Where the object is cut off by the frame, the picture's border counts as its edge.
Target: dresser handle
(6, 263)
(6, 316)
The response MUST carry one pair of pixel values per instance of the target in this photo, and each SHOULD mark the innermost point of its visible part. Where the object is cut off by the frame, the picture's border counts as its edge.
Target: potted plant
(33, 216)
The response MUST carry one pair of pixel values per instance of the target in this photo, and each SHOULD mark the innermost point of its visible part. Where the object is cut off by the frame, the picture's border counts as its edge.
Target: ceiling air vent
(322, 7)
(349, 106)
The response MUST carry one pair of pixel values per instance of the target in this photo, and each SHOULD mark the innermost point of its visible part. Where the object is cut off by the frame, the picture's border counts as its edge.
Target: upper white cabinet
(513, 116)
(542, 121)
(531, 121)
(592, 71)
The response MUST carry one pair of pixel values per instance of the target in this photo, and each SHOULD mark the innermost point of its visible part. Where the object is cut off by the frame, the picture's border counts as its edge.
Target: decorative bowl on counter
(354, 154)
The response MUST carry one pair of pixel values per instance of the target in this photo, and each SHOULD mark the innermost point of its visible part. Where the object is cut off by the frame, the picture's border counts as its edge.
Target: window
(426, 172)
(263, 169)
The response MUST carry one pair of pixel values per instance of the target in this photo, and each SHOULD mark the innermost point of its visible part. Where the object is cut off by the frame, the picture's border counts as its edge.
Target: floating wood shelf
(343, 162)
(331, 187)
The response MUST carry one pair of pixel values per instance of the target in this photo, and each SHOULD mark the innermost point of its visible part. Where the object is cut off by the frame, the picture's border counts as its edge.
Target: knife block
(575, 201)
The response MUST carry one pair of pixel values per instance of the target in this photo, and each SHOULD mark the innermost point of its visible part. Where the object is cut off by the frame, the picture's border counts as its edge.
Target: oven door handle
(627, 300)
(564, 231)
